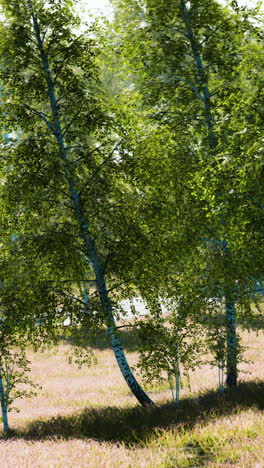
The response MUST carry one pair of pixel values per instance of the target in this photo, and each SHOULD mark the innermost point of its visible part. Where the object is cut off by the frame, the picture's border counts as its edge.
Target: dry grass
(87, 418)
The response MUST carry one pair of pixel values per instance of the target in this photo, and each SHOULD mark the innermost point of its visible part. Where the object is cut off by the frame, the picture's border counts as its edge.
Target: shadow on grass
(129, 338)
(253, 323)
(85, 339)
(134, 426)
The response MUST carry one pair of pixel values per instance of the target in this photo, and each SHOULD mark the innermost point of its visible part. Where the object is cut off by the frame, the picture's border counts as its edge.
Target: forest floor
(88, 418)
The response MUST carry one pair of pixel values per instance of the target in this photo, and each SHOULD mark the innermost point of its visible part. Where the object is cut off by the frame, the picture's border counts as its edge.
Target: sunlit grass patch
(219, 442)
(87, 417)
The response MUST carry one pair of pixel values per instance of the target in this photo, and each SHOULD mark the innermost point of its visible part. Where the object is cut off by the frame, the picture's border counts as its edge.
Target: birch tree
(187, 59)
(14, 369)
(64, 178)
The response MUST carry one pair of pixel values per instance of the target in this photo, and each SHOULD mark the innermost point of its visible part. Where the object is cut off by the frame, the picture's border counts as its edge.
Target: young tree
(170, 344)
(14, 367)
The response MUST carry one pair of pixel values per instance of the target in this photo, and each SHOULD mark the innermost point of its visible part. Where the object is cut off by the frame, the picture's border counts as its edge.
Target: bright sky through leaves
(104, 7)
(96, 7)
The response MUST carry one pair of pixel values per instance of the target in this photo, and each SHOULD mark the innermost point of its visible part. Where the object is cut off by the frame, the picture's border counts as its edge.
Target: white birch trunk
(91, 251)
(206, 99)
(4, 405)
(231, 358)
(177, 375)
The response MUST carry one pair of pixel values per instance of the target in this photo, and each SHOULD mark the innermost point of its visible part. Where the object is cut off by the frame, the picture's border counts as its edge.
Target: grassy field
(88, 418)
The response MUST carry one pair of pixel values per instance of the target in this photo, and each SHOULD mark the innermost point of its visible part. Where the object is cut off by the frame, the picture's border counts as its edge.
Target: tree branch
(100, 166)
(173, 28)
(41, 116)
(129, 325)
(69, 296)
(65, 130)
(73, 281)
(84, 156)
(193, 87)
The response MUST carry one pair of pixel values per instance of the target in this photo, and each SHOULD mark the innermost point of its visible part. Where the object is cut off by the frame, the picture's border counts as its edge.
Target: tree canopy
(132, 164)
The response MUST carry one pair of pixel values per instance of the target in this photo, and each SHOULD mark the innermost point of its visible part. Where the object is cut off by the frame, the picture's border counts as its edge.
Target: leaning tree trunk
(124, 367)
(205, 97)
(89, 245)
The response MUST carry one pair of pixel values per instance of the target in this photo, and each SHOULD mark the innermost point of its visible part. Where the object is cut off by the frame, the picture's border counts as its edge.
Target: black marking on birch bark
(231, 379)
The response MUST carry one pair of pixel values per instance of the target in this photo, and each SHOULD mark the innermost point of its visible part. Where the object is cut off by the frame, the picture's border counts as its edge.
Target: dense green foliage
(191, 64)
(133, 166)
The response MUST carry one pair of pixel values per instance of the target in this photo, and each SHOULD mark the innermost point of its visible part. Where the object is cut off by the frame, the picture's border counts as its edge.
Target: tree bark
(231, 357)
(177, 376)
(4, 407)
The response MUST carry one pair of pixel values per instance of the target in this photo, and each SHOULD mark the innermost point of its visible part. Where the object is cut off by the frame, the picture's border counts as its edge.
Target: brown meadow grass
(87, 417)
